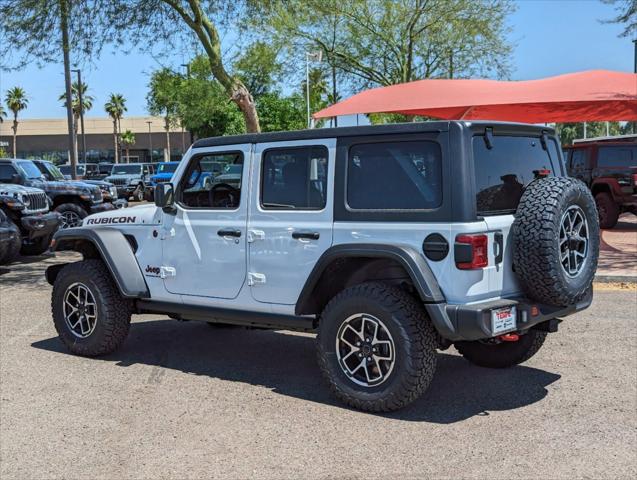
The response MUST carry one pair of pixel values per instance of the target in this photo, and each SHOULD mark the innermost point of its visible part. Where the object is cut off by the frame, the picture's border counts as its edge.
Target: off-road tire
(536, 249)
(71, 208)
(415, 346)
(138, 194)
(607, 209)
(37, 246)
(113, 312)
(503, 354)
(12, 250)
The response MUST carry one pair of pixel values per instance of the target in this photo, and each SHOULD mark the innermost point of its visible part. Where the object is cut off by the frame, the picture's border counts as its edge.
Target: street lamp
(150, 140)
(317, 56)
(81, 106)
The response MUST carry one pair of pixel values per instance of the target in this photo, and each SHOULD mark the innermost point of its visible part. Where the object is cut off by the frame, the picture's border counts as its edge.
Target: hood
(62, 185)
(99, 183)
(10, 188)
(147, 214)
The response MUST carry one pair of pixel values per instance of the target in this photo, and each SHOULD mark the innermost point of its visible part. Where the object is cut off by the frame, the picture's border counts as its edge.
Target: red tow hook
(509, 337)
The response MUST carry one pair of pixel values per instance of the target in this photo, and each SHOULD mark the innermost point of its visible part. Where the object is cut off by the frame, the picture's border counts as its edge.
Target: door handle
(498, 247)
(229, 232)
(306, 235)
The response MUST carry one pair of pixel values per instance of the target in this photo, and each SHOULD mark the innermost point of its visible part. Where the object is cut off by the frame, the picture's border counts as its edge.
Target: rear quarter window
(619, 156)
(502, 172)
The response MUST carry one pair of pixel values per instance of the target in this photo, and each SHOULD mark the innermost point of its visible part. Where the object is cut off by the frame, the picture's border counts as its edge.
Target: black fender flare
(412, 261)
(114, 250)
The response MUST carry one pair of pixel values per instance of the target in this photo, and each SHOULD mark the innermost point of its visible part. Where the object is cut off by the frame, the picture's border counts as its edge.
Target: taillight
(471, 251)
(635, 180)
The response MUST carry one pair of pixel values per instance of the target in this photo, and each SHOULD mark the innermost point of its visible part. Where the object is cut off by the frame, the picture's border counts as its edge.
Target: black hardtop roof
(415, 127)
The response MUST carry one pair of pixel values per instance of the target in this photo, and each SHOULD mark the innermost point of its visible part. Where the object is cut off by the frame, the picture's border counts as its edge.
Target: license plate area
(503, 320)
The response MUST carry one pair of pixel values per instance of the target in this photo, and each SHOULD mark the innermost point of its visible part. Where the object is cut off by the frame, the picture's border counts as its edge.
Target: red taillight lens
(479, 258)
(634, 179)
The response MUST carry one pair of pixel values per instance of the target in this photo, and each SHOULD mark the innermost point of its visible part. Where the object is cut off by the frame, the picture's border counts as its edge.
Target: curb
(615, 279)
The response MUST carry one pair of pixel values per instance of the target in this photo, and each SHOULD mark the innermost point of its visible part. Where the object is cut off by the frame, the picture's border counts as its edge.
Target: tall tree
(115, 108)
(128, 139)
(384, 42)
(16, 100)
(77, 109)
(162, 99)
(259, 68)
(3, 113)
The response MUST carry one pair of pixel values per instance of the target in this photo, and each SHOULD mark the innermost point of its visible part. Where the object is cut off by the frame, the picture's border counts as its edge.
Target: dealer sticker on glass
(503, 320)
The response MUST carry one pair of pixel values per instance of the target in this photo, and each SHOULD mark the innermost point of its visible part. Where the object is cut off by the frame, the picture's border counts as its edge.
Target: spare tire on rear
(556, 240)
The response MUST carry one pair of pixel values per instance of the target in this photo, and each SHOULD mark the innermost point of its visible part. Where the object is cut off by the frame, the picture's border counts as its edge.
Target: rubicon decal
(109, 220)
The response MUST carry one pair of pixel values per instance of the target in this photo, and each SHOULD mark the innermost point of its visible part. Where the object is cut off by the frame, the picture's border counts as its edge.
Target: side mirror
(165, 197)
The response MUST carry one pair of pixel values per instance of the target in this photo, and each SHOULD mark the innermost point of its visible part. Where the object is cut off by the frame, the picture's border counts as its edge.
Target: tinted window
(205, 188)
(6, 172)
(394, 176)
(294, 178)
(123, 169)
(503, 171)
(578, 159)
(30, 169)
(617, 156)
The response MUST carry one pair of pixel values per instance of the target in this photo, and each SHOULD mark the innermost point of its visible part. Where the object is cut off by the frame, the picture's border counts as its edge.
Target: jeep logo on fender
(152, 271)
(109, 220)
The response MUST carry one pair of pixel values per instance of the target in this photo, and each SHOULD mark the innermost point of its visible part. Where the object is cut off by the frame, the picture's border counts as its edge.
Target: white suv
(390, 241)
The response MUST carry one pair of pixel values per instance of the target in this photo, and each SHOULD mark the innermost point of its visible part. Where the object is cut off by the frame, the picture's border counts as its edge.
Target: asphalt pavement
(184, 400)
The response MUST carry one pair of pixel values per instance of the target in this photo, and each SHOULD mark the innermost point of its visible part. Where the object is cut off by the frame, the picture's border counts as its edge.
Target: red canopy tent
(596, 95)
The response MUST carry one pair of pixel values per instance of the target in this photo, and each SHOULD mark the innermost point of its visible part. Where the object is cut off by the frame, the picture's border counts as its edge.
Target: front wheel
(503, 354)
(72, 215)
(89, 314)
(607, 209)
(138, 194)
(376, 347)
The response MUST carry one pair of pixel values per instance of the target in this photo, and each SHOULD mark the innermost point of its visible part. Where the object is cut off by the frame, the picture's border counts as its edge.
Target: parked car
(109, 192)
(379, 238)
(10, 240)
(87, 171)
(609, 167)
(163, 174)
(27, 209)
(131, 179)
(74, 200)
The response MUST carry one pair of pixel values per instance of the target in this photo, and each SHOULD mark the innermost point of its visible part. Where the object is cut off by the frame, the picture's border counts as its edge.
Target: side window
(6, 173)
(294, 178)
(617, 156)
(578, 160)
(213, 181)
(394, 176)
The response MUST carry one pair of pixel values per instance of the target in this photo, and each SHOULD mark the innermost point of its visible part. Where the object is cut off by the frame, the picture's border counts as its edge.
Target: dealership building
(48, 139)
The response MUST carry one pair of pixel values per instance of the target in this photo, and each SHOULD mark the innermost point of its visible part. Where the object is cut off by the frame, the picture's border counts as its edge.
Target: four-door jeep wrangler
(390, 241)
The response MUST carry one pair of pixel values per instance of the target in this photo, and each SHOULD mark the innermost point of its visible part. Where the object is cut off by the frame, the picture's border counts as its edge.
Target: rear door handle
(498, 247)
(306, 235)
(229, 232)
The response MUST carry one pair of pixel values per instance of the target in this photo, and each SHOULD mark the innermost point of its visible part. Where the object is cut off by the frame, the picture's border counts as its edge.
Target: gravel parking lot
(183, 400)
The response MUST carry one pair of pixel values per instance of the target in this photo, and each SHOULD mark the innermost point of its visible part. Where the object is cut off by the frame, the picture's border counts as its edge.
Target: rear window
(503, 171)
(617, 156)
(394, 176)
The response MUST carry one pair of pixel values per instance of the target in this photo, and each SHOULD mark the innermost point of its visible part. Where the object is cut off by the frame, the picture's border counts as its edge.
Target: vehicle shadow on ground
(286, 364)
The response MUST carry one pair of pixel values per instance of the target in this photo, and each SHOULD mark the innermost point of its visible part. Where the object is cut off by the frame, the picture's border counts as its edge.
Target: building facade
(48, 139)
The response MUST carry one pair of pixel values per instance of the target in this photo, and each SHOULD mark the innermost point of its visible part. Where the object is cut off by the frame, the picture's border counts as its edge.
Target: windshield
(53, 171)
(167, 167)
(30, 169)
(126, 169)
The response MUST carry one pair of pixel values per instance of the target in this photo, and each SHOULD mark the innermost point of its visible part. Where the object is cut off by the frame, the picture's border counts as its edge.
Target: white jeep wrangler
(390, 241)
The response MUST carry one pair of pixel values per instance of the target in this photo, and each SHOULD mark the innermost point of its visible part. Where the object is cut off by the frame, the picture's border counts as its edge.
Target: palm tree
(115, 107)
(128, 139)
(78, 110)
(2, 113)
(16, 100)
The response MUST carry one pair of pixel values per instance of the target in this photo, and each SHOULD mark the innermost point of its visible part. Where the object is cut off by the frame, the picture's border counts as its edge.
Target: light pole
(81, 106)
(150, 140)
(318, 56)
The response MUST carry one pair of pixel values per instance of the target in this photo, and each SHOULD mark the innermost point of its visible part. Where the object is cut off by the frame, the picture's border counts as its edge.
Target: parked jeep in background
(10, 240)
(609, 167)
(389, 241)
(87, 171)
(53, 174)
(163, 174)
(74, 200)
(27, 209)
(131, 179)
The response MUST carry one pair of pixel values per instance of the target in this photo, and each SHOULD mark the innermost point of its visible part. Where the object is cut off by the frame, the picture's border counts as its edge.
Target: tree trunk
(75, 140)
(241, 96)
(168, 138)
(64, 16)
(15, 136)
(127, 156)
(115, 140)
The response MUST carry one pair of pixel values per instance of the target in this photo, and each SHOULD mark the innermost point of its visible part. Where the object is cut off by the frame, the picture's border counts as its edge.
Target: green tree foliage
(572, 131)
(259, 68)
(626, 15)
(115, 107)
(279, 113)
(3, 113)
(384, 42)
(128, 139)
(16, 101)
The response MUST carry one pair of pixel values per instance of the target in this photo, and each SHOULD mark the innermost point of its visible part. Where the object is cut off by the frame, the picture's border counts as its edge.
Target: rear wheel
(89, 314)
(72, 215)
(490, 354)
(376, 347)
(607, 209)
(138, 194)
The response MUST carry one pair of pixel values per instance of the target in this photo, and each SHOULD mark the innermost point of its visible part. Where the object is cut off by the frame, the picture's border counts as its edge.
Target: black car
(609, 167)
(9, 240)
(74, 200)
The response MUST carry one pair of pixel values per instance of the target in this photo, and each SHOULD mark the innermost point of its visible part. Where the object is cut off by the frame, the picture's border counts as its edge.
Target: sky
(551, 37)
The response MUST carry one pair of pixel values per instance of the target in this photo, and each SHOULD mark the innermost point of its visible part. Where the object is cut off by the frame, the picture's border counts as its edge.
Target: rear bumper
(473, 322)
(35, 226)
